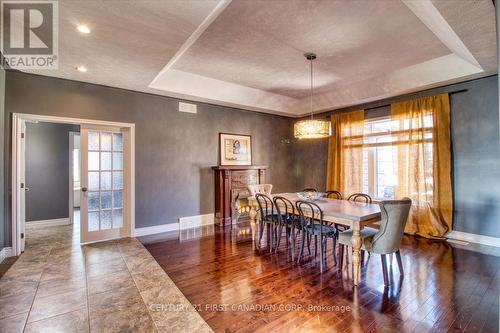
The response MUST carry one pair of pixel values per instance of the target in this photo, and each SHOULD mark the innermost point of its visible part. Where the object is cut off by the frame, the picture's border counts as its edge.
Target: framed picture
(235, 149)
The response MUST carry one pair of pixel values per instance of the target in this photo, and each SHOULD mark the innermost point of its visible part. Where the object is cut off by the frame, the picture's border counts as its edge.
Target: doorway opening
(95, 168)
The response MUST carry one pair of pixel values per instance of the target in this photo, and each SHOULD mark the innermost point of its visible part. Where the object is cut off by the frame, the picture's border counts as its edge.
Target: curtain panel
(420, 146)
(424, 163)
(345, 153)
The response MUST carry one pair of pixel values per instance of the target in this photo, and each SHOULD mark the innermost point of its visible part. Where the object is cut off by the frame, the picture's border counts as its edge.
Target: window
(76, 169)
(384, 142)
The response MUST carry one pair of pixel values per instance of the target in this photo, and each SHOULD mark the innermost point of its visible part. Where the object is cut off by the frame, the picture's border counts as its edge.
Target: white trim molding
(5, 253)
(474, 238)
(49, 223)
(156, 229)
(196, 221)
(188, 222)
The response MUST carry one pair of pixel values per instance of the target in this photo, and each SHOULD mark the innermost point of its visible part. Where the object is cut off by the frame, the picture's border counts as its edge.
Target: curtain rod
(449, 93)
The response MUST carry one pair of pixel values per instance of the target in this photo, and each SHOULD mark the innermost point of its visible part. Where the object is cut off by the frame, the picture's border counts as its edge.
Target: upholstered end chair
(260, 188)
(387, 239)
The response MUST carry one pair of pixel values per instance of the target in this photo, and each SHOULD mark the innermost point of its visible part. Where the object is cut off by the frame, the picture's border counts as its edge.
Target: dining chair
(360, 197)
(267, 217)
(288, 219)
(333, 195)
(386, 240)
(313, 225)
(310, 189)
(260, 188)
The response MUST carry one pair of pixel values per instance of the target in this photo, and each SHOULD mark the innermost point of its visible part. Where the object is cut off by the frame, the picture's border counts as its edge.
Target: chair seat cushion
(317, 230)
(366, 237)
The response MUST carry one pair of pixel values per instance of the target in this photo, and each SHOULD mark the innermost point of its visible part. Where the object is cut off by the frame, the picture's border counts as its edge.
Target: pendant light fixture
(312, 128)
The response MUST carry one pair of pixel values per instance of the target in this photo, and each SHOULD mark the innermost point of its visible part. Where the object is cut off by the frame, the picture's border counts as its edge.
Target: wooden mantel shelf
(240, 167)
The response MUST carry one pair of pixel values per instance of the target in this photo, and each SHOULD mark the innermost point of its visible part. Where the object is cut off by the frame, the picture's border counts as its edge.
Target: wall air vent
(187, 107)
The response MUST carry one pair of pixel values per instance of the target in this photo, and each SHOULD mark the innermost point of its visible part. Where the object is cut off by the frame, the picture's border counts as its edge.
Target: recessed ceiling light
(82, 69)
(83, 29)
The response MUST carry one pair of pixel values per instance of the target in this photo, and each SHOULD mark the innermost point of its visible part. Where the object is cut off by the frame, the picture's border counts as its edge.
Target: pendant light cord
(311, 60)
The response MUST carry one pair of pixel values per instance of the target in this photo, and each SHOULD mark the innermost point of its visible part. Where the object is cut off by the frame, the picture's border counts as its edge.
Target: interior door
(24, 187)
(103, 171)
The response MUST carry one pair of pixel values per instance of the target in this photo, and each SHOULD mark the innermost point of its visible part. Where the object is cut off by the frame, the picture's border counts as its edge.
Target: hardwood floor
(237, 288)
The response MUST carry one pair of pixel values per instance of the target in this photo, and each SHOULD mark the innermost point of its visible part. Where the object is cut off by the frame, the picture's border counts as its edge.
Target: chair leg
(315, 246)
(400, 263)
(278, 236)
(261, 231)
(304, 236)
(362, 257)
(384, 269)
(309, 244)
(320, 253)
(341, 256)
(334, 251)
(271, 238)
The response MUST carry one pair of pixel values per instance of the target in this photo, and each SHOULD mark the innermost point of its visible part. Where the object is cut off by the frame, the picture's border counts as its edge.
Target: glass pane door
(103, 184)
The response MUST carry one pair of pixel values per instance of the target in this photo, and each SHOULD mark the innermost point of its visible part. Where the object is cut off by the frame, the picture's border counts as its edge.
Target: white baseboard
(49, 223)
(184, 223)
(196, 221)
(473, 238)
(5, 253)
(157, 229)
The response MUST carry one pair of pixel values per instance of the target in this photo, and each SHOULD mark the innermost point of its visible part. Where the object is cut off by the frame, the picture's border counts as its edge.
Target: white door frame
(71, 200)
(17, 120)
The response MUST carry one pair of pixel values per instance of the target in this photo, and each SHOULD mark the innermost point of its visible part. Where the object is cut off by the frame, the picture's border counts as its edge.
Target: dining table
(355, 215)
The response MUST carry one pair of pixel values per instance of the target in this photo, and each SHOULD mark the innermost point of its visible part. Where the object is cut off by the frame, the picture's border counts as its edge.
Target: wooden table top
(341, 209)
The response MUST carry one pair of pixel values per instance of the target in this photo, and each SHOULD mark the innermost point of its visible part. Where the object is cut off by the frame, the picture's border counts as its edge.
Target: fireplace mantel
(230, 179)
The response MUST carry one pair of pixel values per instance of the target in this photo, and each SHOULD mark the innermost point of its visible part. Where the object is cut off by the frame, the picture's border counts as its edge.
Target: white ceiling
(249, 54)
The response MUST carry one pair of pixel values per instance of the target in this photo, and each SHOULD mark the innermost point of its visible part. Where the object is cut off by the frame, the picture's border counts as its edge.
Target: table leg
(356, 256)
(253, 223)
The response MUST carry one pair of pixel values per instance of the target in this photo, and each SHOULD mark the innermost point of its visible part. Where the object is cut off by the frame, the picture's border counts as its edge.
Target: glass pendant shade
(312, 129)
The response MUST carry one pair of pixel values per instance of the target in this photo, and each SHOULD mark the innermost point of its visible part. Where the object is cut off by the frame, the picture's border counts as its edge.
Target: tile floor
(57, 285)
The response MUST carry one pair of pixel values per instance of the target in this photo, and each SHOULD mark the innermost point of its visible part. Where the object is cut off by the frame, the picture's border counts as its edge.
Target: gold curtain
(345, 153)
(421, 128)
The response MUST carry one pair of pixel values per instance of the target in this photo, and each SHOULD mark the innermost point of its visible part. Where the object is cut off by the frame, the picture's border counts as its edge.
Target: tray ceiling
(249, 54)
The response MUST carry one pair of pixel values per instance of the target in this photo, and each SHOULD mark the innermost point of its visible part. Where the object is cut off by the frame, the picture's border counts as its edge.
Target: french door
(103, 203)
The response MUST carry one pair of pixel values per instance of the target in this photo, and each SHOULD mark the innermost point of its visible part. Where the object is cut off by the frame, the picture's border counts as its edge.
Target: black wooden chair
(288, 219)
(333, 195)
(313, 225)
(360, 197)
(267, 217)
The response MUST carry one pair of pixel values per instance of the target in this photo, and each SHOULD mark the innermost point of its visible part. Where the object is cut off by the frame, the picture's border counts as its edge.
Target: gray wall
(47, 171)
(174, 150)
(3, 226)
(476, 153)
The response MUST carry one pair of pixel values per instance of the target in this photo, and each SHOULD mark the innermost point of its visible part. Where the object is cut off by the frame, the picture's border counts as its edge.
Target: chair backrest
(310, 189)
(285, 209)
(334, 195)
(392, 225)
(266, 206)
(360, 197)
(260, 188)
(303, 207)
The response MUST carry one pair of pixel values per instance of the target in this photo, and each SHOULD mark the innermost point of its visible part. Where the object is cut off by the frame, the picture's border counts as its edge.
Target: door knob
(84, 189)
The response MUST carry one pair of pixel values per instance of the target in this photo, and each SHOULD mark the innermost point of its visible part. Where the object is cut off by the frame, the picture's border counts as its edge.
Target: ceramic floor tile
(101, 283)
(16, 304)
(108, 267)
(13, 287)
(135, 318)
(49, 306)
(75, 321)
(113, 300)
(14, 324)
(59, 286)
(151, 279)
